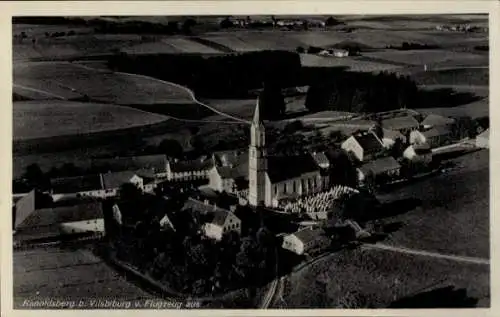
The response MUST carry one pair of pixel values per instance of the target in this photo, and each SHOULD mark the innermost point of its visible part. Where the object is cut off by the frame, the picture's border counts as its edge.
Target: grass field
(456, 76)
(453, 216)
(72, 80)
(67, 275)
(381, 278)
(37, 119)
(352, 64)
(436, 57)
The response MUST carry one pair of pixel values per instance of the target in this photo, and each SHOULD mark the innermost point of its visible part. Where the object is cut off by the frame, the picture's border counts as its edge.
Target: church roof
(281, 168)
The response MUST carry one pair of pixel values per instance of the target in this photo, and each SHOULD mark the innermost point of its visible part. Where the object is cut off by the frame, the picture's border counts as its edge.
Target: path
(187, 90)
(457, 258)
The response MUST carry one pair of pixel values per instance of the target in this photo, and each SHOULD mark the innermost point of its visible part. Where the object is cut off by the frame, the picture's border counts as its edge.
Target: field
(37, 119)
(452, 214)
(353, 64)
(454, 76)
(67, 275)
(381, 278)
(63, 80)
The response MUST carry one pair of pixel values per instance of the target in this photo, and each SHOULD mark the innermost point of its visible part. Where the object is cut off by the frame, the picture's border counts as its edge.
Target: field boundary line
(457, 258)
(39, 91)
(189, 91)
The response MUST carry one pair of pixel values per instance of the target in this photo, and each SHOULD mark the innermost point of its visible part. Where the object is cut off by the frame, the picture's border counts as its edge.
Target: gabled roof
(200, 207)
(76, 184)
(116, 179)
(153, 163)
(307, 235)
(436, 131)
(51, 216)
(392, 134)
(24, 207)
(194, 165)
(369, 142)
(281, 168)
(437, 120)
(485, 134)
(220, 217)
(380, 165)
(397, 123)
(230, 158)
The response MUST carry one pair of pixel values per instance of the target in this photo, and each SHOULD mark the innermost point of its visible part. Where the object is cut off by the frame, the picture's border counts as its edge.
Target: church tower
(257, 162)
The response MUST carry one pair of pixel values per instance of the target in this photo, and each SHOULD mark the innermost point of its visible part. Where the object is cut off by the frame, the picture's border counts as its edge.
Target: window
(275, 190)
(284, 188)
(294, 187)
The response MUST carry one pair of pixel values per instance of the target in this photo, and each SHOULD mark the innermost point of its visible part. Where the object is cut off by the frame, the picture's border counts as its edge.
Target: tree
(300, 50)
(171, 148)
(397, 148)
(342, 170)
(272, 102)
(226, 23)
(34, 177)
(188, 25)
(331, 21)
(129, 191)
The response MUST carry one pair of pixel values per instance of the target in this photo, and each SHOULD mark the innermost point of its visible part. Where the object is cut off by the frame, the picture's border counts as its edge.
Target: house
(112, 182)
(53, 223)
(434, 120)
(419, 153)
(403, 124)
(223, 222)
(78, 186)
(225, 178)
(382, 167)
(364, 146)
(216, 220)
(189, 170)
(483, 139)
(435, 137)
(334, 52)
(305, 240)
(150, 166)
(390, 137)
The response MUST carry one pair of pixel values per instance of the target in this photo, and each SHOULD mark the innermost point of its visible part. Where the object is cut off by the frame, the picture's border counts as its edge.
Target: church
(272, 179)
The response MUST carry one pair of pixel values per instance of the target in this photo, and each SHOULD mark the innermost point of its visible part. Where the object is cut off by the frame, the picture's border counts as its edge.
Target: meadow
(39, 119)
(452, 210)
(64, 80)
(380, 277)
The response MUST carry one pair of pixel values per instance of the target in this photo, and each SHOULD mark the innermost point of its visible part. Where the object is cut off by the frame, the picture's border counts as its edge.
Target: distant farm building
(434, 120)
(419, 153)
(404, 124)
(334, 52)
(390, 137)
(434, 137)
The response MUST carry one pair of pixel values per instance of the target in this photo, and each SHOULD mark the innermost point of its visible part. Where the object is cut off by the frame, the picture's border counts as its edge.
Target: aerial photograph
(251, 162)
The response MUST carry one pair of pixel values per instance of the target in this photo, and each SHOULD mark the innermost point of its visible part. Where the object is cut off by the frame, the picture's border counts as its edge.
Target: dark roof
(436, 120)
(76, 184)
(484, 134)
(436, 131)
(422, 148)
(152, 163)
(201, 207)
(398, 123)
(230, 158)
(116, 179)
(281, 168)
(24, 208)
(369, 142)
(50, 216)
(194, 165)
(308, 234)
(392, 134)
(220, 217)
(241, 170)
(380, 165)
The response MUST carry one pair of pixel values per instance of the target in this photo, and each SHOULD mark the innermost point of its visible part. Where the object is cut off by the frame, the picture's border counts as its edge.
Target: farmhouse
(150, 166)
(403, 124)
(483, 139)
(418, 153)
(390, 137)
(434, 120)
(364, 146)
(52, 223)
(383, 167)
(305, 240)
(334, 52)
(435, 137)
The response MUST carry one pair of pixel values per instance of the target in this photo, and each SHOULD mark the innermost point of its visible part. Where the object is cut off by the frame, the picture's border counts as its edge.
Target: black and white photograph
(250, 161)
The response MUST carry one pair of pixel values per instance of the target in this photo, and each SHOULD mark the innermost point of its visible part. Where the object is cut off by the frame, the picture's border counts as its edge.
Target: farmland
(452, 215)
(37, 119)
(381, 278)
(71, 80)
(67, 275)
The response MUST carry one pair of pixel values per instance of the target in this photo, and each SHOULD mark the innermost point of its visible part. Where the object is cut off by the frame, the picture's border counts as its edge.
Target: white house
(305, 240)
(189, 170)
(364, 146)
(223, 222)
(483, 139)
(418, 153)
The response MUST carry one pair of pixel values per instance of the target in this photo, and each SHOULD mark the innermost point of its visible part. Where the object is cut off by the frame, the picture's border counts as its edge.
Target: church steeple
(257, 164)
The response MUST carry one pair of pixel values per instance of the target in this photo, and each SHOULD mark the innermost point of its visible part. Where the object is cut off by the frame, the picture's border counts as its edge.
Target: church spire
(256, 114)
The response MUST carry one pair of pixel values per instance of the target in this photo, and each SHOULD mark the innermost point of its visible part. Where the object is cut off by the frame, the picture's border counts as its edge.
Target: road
(457, 258)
